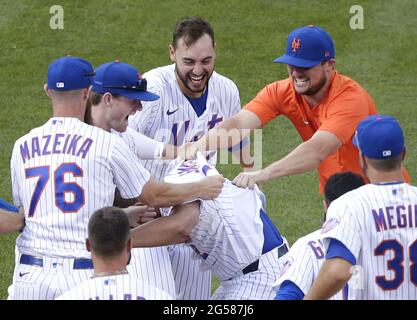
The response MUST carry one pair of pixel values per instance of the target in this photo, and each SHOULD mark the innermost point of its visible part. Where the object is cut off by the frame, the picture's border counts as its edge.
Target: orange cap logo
(295, 44)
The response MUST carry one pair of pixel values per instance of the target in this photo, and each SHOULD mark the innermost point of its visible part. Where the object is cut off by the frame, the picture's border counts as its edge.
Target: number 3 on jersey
(395, 265)
(61, 187)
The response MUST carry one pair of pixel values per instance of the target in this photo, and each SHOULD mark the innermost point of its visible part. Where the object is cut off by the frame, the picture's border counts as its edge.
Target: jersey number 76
(61, 187)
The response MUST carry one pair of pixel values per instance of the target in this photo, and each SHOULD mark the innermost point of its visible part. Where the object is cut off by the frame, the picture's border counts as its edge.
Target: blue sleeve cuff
(289, 291)
(337, 249)
(8, 206)
(239, 146)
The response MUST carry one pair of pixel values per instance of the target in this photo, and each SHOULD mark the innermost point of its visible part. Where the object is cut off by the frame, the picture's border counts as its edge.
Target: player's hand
(188, 151)
(211, 187)
(249, 179)
(140, 214)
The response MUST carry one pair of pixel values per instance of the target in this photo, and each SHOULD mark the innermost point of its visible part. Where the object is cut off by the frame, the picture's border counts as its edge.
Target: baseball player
(110, 245)
(373, 226)
(111, 104)
(303, 261)
(61, 173)
(119, 90)
(232, 233)
(193, 99)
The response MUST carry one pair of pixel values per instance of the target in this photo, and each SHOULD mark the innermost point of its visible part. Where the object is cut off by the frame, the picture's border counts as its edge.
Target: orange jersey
(346, 104)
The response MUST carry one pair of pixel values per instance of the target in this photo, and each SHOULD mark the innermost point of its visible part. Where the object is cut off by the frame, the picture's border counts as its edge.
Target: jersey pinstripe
(378, 224)
(303, 262)
(149, 265)
(229, 241)
(171, 119)
(61, 173)
(116, 287)
(229, 236)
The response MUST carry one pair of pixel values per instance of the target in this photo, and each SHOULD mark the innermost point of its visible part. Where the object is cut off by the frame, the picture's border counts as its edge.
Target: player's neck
(98, 117)
(66, 111)
(385, 177)
(109, 273)
(109, 268)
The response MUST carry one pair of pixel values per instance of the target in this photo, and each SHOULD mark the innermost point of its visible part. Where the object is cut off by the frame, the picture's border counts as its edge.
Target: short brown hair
(108, 231)
(190, 29)
(386, 165)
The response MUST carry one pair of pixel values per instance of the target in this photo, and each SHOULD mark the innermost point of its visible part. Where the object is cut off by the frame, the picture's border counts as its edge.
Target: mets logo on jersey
(295, 44)
(330, 224)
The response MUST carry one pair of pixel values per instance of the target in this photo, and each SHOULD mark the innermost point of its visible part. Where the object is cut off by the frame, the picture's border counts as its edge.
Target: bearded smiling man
(193, 99)
(324, 106)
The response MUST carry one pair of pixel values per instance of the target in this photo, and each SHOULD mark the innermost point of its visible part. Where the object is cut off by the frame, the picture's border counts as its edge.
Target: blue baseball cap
(70, 73)
(379, 137)
(124, 79)
(307, 47)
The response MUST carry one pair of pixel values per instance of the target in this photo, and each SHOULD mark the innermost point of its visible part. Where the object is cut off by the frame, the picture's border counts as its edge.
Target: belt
(283, 249)
(81, 263)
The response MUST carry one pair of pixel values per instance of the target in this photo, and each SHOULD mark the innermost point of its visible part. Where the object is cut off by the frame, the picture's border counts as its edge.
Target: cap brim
(138, 95)
(296, 62)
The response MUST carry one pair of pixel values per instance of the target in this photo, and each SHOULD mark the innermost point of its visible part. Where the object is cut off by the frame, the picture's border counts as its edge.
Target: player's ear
(171, 51)
(404, 153)
(107, 98)
(45, 88)
(325, 206)
(88, 245)
(86, 93)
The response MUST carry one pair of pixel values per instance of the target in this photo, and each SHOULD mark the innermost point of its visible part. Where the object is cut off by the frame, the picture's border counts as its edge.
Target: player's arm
(11, 221)
(332, 277)
(306, 157)
(162, 194)
(334, 273)
(241, 152)
(171, 229)
(230, 131)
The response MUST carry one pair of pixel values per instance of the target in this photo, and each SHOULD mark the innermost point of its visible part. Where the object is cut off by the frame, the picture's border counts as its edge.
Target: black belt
(283, 249)
(80, 263)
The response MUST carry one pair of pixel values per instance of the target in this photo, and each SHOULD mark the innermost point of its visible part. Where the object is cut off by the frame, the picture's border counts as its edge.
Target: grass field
(249, 35)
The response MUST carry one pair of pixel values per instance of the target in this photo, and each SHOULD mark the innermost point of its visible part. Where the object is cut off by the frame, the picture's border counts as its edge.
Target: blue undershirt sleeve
(337, 249)
(289, 291)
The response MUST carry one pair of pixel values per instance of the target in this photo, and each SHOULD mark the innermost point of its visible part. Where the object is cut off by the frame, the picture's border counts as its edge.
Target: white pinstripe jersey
(378, 224)
(116, 287)
(229, 235)
(150, 265)
(62, 172)
(303, 262)
(172, 119)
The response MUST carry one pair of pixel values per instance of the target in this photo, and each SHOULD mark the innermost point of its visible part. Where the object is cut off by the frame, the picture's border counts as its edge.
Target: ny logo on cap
(60, 85)
(295, 44)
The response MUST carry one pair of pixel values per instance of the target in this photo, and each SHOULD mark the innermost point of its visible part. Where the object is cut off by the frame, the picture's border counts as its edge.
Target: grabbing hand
(211, 187)
(249, 179)
(139, 214)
